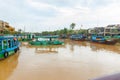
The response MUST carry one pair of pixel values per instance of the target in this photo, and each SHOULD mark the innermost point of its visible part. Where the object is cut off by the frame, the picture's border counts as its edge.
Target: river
(75, 60)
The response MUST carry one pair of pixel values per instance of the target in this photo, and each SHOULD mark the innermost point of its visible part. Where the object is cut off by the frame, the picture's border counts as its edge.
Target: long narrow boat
(8, 46)
(117, 37)
(99, 39)
(46, 40)
(111, 40)
(79, 37)
(104, 40)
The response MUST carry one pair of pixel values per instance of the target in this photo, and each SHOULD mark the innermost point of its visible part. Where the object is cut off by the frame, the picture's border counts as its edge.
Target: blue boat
(79, 37)
(96, 38)
(102, 39)
(8, 46)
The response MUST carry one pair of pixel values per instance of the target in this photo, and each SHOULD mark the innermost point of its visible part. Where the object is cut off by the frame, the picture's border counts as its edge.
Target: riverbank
(118, 44)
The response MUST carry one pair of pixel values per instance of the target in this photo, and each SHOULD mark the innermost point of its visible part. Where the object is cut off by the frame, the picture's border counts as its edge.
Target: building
(4, 26)
(96, 30)
(112, 29)
(109, 30)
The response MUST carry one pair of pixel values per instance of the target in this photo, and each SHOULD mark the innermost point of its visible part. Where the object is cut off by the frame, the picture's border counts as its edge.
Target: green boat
(112, 39)
(8, 46)
(116, 36)
(46, 40)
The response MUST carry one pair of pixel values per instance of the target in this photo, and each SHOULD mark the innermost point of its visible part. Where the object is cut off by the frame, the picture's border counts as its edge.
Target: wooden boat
(116, 36)
(104, 40)
(8, 46)
(46, 40)
(79, 37)
(63, 36)
(111, 41)
(25, 37)
(99, 39)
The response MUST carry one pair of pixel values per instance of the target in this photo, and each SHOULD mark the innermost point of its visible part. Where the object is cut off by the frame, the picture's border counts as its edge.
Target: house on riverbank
(109, 30)
(5, 27)
(112, 30)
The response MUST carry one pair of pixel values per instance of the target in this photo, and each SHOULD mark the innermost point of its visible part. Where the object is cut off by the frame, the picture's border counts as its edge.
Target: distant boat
(79, 37)
(111, 40)
(63, 36)
(46, 40)
(95, 38)
(116, 36)
(103, 39)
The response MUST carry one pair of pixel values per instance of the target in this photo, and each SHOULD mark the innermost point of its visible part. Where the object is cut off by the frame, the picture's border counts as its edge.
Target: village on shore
(96, 34)
(74, 47)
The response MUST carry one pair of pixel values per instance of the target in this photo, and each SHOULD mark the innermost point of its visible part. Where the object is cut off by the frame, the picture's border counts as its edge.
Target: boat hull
(46, 42)
(78, 37)
(111, 42)
(102, 40)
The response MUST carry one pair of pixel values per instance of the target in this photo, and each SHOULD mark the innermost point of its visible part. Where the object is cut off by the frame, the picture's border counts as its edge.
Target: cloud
(39, 5)
(51, 15)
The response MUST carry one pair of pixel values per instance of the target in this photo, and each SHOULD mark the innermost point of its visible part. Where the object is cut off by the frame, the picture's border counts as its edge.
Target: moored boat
(8, 46)
(46, 40)
(103, 39)
(99, 39)
(79, 37)
(110, 40)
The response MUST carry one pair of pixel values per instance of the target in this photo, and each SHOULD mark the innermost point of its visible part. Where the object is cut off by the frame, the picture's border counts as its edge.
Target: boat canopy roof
(6, 37)
(50, 36)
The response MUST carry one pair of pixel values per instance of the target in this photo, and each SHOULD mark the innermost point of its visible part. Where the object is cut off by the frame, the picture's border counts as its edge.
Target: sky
(49, 15)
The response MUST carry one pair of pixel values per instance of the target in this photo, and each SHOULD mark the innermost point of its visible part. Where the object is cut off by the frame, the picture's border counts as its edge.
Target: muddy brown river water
(74, 60)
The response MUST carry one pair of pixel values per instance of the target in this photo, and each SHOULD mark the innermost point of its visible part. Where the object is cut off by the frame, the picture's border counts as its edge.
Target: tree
(19, 30)
(65, 30)
(72, 26)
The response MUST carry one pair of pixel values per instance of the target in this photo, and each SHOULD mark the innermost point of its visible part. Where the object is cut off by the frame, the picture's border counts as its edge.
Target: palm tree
(72, 26)
(19, 30)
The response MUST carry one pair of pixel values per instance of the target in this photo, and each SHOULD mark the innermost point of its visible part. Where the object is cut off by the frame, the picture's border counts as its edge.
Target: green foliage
(72, 26)
(65, 31)
(83, 31)
(6, 32)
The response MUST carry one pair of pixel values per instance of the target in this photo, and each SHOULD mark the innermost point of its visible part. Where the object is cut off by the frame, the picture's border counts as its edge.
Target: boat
(99, 39)
(8, 46)
(26, 37)
(46, 40)
(117, 37)
(111, 40)
(78, 37)
(103, 39)
(115, 76)
(63, 36)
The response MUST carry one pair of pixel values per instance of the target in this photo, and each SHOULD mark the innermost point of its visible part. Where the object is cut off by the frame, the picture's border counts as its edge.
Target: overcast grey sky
(41, 15)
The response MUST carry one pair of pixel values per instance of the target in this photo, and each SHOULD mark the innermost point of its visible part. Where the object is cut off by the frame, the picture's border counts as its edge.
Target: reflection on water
(7, 66)
(94, 46)
(46, 50)
(113, 48)
(76, 60)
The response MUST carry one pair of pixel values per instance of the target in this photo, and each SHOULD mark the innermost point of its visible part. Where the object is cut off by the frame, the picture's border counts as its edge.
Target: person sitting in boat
(9, 44)
(15, 43)
(34, 39)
